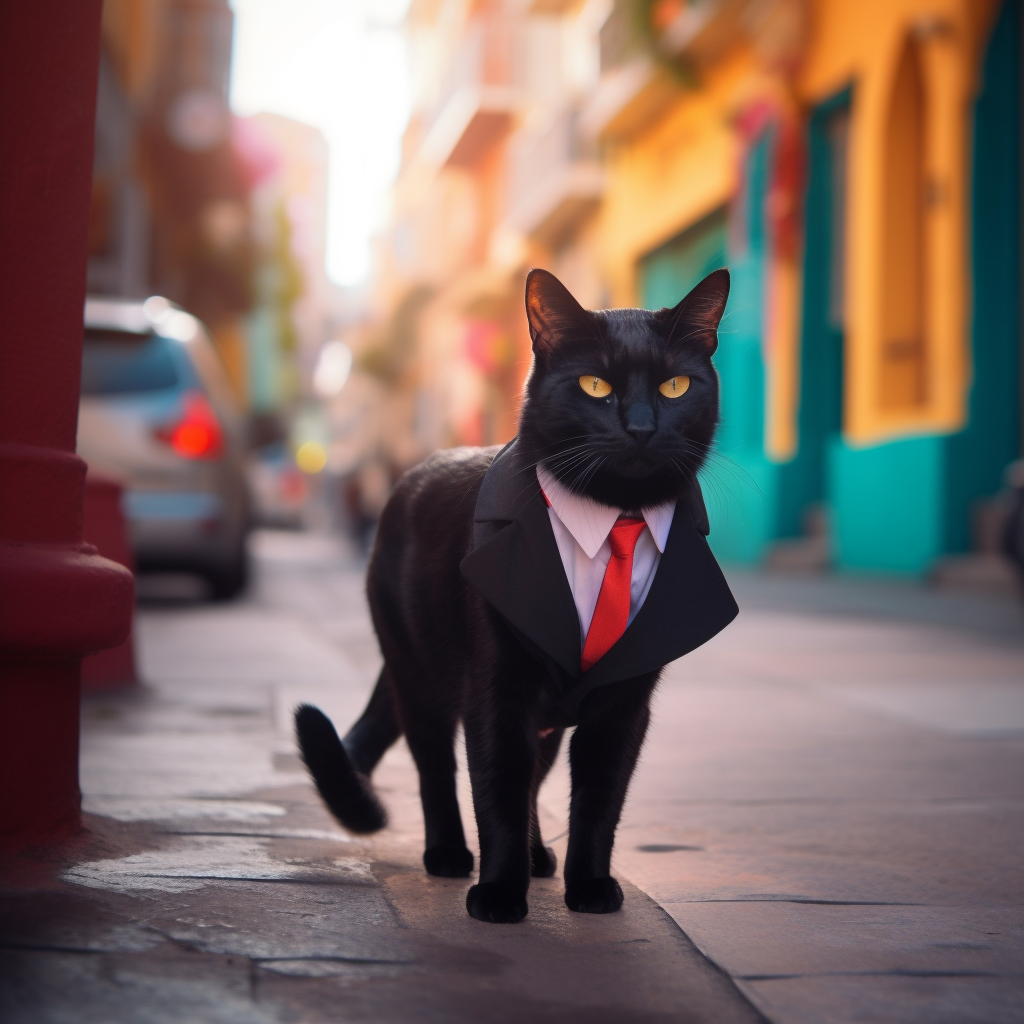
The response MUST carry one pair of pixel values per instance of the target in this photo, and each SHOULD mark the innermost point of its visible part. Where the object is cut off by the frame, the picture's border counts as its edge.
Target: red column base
(58, 602)
(39, 795)
(107, 530)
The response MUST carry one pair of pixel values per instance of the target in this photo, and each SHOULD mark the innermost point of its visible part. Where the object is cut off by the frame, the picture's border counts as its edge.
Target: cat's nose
(640, 423)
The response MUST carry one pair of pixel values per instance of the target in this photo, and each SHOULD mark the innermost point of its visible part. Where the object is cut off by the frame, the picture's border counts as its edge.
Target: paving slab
(211, 885)
(825, 827)
(891, 999)
(831, 802)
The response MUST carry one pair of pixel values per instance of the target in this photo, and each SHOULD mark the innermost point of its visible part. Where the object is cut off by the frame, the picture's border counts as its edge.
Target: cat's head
(622, 404)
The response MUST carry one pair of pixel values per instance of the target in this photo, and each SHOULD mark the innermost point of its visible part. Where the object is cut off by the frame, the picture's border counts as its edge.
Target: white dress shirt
(581, 526)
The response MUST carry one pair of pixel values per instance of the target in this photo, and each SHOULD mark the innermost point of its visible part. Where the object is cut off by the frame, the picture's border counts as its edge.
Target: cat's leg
(377, 727)
(543, 861)
(602, 756)
(430, 733)
(502, 749)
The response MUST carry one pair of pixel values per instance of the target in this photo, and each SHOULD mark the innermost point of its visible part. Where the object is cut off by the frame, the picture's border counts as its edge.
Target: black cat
(476, 618)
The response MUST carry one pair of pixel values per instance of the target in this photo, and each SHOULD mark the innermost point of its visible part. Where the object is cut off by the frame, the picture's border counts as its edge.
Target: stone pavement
(829, 805)
(211, 886)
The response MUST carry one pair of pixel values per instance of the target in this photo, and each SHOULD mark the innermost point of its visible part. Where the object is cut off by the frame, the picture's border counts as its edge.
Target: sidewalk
(829, 806)
(832, 799)
(211, 886)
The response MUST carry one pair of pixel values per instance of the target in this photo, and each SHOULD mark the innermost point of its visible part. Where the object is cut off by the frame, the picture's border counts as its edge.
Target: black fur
(450, 657)
(346, 790)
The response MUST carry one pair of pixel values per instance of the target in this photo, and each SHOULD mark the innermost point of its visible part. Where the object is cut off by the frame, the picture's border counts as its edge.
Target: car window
(120, 362)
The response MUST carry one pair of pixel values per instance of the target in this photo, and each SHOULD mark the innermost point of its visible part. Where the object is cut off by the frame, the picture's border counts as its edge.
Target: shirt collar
(590, 522)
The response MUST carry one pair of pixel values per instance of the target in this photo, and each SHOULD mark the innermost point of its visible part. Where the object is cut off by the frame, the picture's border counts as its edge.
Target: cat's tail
(341, 771)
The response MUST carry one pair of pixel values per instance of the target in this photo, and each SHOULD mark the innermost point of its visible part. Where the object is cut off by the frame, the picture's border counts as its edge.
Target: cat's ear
(552, 312)
(695, 320)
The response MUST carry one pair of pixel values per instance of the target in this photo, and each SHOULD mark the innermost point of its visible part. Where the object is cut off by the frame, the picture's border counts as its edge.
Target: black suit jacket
(516, 566)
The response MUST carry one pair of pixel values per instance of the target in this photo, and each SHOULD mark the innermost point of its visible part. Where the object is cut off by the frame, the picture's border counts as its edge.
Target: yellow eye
(674, 387)
(596, 387)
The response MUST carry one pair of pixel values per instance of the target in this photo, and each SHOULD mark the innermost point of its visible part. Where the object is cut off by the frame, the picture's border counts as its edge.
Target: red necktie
(612, 611)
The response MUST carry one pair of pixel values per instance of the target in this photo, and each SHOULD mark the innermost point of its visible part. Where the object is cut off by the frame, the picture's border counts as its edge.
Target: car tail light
(197, 434)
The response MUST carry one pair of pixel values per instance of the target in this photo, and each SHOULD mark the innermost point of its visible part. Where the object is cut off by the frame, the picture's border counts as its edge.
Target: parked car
(157, 412)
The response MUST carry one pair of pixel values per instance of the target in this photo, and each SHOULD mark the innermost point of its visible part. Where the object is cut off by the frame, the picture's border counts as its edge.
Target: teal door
(804, 482)
(976, 457)
(668, 273)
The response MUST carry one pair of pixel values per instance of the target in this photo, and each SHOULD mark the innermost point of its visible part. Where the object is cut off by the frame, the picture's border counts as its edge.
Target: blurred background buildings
(224, 215)
(857, 165)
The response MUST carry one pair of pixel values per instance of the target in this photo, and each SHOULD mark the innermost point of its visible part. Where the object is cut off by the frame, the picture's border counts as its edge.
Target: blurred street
(827, 806)
(841, 774)
(212, 886)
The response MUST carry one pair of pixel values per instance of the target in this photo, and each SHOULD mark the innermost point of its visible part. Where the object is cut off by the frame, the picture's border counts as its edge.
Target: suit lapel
(688, 603)
(515, 562)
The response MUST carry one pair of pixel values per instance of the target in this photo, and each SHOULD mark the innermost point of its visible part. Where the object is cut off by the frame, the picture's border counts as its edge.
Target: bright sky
(338, 65)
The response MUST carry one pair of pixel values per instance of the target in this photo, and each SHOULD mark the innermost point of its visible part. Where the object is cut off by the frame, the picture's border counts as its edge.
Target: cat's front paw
(594, 896)
(448, 861)
(496, 902)
(542, 861)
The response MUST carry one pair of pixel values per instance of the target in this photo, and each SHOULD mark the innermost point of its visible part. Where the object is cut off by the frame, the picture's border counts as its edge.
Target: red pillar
(58, 598)
(106, 529)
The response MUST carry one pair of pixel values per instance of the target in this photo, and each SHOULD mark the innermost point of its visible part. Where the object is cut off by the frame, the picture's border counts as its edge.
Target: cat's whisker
(712, 460)
(558, 463)
(568, 465)
(588, 446)
(568, 469)
(579, 470)
(565, 462)
(554, 464)
(531, 459)
(588, 473)
(574, 437)
(714, 477)
(534, 455)
(601, 461)
(716, 460)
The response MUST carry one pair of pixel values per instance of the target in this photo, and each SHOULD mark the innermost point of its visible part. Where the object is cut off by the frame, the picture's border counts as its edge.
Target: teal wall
(804, 478)
(975, 458)
(740, 485)
(886, 512)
